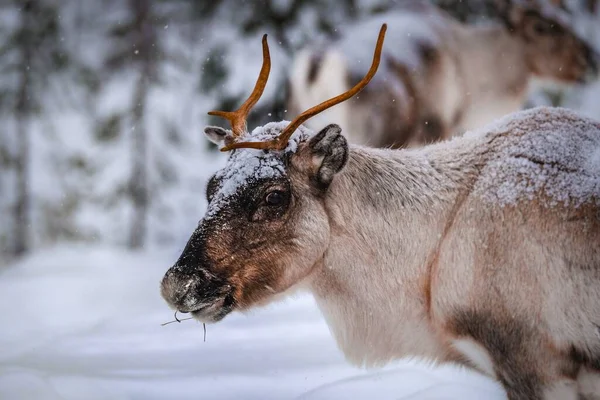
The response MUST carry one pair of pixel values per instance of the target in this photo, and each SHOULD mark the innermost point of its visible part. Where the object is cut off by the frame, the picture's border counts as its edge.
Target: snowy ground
(85, 323)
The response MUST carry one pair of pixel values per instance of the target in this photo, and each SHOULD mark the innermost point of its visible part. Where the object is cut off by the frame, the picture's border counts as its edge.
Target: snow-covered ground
(85, 323)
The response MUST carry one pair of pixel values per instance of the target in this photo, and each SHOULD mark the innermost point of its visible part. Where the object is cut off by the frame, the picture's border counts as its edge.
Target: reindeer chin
(215, 311)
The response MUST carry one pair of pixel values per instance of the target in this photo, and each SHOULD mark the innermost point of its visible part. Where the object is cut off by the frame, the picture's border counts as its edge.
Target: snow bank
(412, 381)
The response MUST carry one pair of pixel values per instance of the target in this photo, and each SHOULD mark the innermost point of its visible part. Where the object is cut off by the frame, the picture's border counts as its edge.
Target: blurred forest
(102, 104)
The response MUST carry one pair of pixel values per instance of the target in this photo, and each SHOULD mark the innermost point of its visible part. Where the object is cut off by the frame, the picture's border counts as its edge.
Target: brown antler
(238, 118)
(281, 141)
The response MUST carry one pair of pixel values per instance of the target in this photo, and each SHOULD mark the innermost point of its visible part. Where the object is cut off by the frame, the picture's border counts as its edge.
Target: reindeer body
(483, 250)
(438, 77)
(465, 252)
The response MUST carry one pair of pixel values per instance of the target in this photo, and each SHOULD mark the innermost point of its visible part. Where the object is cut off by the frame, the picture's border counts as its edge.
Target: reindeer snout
(189, 291)
(185, 291)
(177, 289)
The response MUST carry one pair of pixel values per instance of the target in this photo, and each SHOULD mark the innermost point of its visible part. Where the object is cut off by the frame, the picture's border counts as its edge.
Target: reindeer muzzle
(197, 291)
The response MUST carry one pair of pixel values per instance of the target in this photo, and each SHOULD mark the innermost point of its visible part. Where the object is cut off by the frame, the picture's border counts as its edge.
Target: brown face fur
(552, 49)
(262, 238)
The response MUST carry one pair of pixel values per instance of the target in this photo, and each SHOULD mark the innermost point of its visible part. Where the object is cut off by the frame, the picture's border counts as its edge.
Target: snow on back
(412, 27)
(408, 30)
(549, 151)
(245, 165)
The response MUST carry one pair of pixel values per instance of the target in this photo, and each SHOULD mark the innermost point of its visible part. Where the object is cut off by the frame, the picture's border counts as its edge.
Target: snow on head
(549, 151)
(252, 164)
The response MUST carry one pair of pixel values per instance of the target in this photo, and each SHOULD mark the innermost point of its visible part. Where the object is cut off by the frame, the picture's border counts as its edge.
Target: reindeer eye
(274, 198)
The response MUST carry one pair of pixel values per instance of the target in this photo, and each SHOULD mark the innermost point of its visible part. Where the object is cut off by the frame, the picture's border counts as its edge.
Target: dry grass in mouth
(184, 319)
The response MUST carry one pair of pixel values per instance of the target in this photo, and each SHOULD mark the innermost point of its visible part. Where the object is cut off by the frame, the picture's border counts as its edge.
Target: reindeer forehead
(247, 166)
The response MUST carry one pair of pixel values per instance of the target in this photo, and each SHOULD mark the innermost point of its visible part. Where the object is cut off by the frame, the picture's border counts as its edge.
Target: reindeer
(483, 250)
(439, 77)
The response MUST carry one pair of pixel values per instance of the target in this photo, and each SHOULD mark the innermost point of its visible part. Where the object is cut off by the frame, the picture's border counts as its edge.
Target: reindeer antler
(238, 117)
(281, 141)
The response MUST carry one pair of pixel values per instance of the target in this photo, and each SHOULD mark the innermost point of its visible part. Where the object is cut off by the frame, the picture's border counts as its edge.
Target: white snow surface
(85, 323)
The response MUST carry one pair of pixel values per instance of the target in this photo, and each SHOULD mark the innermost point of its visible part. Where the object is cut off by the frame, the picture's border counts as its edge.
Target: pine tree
(30, 53)
(138, 48)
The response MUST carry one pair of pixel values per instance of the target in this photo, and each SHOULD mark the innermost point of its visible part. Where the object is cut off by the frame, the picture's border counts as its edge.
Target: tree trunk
(139, 169)
(22, 223)
(22, 202)
(140, 192)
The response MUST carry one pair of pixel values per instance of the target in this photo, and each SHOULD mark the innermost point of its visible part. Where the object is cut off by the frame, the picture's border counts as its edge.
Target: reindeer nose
(184, 290)
(192, 289)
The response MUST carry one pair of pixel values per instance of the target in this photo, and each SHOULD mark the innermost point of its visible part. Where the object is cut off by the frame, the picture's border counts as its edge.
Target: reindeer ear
(329, 151)
(217, 135)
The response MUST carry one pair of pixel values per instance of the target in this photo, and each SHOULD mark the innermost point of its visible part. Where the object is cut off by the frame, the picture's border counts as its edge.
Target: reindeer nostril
(187, 290)
(175, 287)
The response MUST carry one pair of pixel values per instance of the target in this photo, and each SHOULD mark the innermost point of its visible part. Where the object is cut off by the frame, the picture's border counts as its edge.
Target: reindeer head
(552, 49)
(265, 228)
